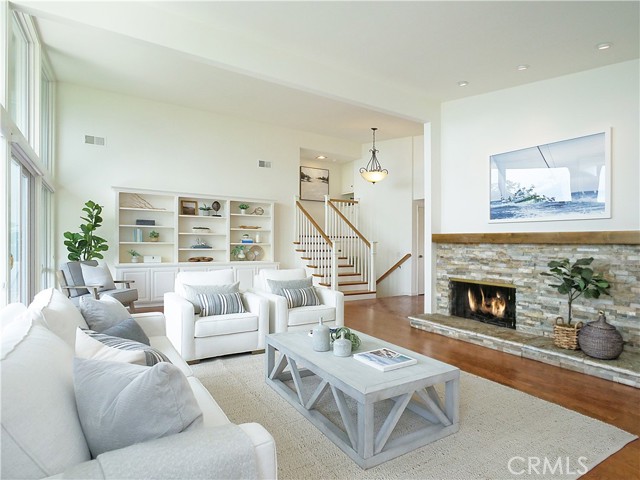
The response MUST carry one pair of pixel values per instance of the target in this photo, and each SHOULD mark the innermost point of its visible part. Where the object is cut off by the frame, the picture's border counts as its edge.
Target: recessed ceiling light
(522, 68)
(604, 46)
(321, 157)
(463, 83)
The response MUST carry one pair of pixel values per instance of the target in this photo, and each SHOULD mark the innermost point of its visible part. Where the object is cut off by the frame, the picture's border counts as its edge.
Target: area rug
(503, 434)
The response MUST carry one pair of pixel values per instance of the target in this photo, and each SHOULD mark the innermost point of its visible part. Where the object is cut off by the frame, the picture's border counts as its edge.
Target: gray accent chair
(74, 286)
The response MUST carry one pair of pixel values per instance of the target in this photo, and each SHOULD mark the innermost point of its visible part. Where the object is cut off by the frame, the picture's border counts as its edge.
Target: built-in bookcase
(195, 232)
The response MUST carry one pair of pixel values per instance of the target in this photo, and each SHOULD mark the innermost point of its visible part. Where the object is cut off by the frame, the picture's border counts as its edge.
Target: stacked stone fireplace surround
(538, 304)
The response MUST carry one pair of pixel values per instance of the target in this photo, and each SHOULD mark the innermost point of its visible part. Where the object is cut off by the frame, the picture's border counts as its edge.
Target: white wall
(386, 211)
(160, 146)
(542, 112)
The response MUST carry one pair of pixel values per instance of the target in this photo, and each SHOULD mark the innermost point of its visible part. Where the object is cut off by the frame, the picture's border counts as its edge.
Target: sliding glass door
(20, 231)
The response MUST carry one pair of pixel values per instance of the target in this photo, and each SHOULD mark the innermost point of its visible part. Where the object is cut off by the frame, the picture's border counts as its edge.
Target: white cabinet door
(244, 275)
(142, 280)
(162, 281)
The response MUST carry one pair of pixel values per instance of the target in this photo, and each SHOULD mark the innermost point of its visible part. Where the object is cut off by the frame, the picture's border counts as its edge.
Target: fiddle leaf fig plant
(86, 245)
(576, 279)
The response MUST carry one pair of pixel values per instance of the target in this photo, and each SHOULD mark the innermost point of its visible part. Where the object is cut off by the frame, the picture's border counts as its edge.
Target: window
(47, 269)
(19, 76)
(27, 141)
(46, 117)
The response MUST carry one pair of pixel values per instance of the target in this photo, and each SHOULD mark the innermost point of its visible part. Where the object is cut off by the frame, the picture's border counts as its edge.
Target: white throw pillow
(57, 313)
(41, 434)
(99, 275)
(104, 313)
(121, 404)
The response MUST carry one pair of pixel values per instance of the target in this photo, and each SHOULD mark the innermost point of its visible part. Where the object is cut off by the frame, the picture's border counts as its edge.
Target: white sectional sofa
(42, 435)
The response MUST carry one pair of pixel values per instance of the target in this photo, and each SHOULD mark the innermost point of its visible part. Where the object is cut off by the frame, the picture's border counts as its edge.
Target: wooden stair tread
(359, 292)
(345, 274)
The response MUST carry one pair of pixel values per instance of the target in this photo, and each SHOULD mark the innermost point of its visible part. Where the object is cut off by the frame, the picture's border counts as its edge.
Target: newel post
(335, 253)
(372, 266)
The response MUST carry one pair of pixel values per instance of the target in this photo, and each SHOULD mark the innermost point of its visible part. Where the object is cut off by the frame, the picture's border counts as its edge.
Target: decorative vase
(320, 337)
(600, 339)
(342, 346)
(243, 211)
(154, 239)
(134, 259)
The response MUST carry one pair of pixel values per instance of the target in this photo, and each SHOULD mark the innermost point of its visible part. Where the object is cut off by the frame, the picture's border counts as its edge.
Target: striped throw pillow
(220, 304)
(152, 356)
(300, 297)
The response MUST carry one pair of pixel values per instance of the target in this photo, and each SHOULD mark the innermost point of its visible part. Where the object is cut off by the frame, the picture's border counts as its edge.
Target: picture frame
(314, 184)
(188, 207)
(568, 179)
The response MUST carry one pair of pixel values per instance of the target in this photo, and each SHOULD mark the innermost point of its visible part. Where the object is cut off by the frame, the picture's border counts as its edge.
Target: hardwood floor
(610, 402)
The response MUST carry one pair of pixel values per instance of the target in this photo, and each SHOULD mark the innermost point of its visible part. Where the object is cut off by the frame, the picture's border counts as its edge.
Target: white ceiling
(332, 68)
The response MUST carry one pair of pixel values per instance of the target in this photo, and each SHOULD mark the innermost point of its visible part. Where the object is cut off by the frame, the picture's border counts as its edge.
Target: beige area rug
(503, 433)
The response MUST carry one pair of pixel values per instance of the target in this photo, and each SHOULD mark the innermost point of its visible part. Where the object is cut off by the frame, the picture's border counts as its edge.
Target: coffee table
(410, 388)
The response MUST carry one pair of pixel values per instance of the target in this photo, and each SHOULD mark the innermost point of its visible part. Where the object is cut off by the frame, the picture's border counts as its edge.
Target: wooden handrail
(342, 200)
(313, 222)
(346, 220)
(394, 268)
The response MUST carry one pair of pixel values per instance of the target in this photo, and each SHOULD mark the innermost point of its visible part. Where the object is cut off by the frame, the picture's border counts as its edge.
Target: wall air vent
(91, 140)
(264, 164)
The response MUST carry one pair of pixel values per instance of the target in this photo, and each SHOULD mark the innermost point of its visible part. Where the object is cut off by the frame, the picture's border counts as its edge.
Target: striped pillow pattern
(300, 297)
(152, 356)
(220, 304)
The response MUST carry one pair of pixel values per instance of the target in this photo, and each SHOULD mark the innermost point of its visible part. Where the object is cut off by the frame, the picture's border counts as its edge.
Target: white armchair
(197, 337)
(282, 318)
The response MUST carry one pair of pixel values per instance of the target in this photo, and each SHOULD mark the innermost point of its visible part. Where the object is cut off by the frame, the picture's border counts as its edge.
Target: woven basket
(600, 339)
(566, 336)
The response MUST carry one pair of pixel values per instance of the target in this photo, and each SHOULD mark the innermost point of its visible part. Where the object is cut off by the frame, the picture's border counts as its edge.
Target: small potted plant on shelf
(154, 236)
(205, 209)
(238, 252)
(135, 256)
(243, 208)
(575, 279)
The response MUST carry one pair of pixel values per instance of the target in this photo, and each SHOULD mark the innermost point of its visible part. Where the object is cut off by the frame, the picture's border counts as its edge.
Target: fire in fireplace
(485, 302)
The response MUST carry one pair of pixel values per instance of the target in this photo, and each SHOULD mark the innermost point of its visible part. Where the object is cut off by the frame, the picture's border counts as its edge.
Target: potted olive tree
(574, 280)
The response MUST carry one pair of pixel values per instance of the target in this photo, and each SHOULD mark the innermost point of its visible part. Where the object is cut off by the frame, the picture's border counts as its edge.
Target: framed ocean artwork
(565, 180)
(314, 183)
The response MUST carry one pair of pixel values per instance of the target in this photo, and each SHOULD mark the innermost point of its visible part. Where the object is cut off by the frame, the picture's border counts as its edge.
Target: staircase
(337, 256)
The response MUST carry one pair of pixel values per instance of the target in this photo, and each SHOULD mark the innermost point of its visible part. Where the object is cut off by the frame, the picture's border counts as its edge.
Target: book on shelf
(384, 359)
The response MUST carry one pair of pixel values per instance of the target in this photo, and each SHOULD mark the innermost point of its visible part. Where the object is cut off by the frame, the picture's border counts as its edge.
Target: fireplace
(485, 302)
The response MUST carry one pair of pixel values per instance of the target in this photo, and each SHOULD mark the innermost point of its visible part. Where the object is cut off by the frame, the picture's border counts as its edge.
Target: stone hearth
(625, 369)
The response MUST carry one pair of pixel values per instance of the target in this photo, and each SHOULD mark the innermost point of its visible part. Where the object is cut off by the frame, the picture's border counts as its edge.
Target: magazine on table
(384, 359)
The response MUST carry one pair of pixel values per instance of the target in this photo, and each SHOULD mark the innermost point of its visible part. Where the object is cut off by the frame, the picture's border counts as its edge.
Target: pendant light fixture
(373, 172)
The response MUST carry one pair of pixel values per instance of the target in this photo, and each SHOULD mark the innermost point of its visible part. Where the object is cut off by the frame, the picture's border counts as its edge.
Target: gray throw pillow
(301, 297)
(104, 313)
(191, 292)
(120, 404)
(128, 329)
(276, 286)
(99, 275)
